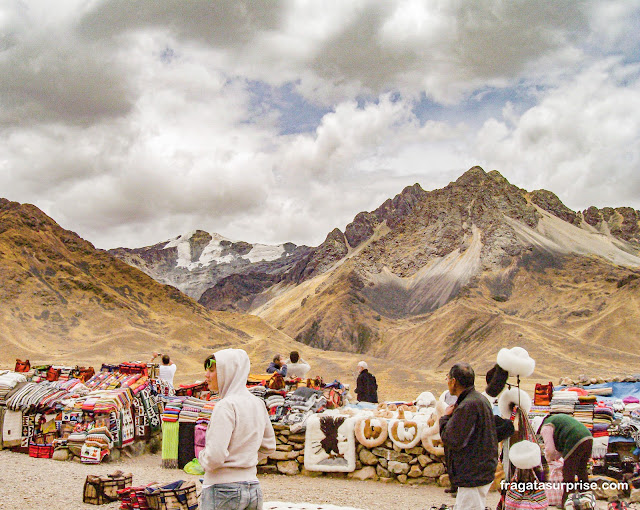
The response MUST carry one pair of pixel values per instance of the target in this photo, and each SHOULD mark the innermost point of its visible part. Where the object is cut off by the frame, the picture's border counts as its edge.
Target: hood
(233, 367)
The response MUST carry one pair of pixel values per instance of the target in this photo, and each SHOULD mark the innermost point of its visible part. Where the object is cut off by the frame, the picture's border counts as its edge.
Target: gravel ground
(27, 483)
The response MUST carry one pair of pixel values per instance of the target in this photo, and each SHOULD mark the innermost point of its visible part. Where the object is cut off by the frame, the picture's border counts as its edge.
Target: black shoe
(451, 490)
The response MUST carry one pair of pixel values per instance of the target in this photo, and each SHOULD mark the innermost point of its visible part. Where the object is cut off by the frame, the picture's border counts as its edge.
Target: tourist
(167, 369)
(278, 366)
(566, 437)
(238, 436)
(449, 399)
(366, 385)
(297, 368)
(468, 432)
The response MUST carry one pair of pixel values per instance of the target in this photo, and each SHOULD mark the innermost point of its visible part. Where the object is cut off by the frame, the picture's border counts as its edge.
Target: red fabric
(22, 366)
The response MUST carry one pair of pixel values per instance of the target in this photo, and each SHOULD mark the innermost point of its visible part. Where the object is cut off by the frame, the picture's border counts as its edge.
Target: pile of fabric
(583, 410)
(196, 410)
(8, 381)
(110, 411)
(97, 445)
(603, 417)
(172, 409)
(563, 402)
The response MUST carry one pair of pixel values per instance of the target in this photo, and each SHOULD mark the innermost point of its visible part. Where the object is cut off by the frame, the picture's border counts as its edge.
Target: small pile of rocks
(583, 380)
(386, 463)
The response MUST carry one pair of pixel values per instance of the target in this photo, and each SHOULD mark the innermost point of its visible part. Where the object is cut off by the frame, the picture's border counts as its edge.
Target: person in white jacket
(296, 366)
(238, 436)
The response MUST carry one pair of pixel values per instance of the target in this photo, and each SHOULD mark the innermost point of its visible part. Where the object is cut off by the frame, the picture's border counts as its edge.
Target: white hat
(516, 361)
(513, 396)
(363, 365)
(525, 455)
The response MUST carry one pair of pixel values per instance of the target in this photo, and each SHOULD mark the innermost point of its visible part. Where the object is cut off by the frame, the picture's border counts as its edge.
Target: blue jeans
(232, 496)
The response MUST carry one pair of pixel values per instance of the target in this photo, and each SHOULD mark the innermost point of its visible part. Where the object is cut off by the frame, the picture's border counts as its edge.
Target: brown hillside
(458, 273)
(63, 301)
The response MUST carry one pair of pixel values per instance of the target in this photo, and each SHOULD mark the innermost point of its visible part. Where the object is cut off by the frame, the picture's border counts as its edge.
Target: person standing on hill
(366, 384)
(167, 369)
(468, 432)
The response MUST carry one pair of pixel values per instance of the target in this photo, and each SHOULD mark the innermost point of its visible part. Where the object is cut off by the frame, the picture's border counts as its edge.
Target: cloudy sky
(263, 120)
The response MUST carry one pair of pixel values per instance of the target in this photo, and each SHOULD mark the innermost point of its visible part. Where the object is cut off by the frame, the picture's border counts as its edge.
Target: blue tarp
(620, 390)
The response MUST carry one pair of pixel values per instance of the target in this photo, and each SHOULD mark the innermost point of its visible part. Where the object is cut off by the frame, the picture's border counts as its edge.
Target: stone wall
(386, 463)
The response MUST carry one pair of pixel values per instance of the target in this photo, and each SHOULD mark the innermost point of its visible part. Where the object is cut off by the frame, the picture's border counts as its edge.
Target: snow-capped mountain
(195, 261)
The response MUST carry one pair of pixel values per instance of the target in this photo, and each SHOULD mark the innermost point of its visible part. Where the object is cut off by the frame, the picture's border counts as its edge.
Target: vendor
(566, 437)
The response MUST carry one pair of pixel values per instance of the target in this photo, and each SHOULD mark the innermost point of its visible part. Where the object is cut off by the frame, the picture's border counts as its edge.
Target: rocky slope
(432, 275)
(454, 273)
(61, 300)
(196, 261)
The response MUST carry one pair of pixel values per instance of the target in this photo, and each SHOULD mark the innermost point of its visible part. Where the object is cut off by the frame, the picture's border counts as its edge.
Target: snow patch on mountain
(213, 252)
(265, 252)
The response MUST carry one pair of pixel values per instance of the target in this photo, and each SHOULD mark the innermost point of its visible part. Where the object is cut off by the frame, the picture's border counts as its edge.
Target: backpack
(53, 374)
(22, 366)
(543, 394)
(276, 382)
(580, 501)
(333, 396)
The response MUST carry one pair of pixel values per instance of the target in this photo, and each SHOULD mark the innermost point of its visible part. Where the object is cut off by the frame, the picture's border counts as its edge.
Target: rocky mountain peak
(475, 176)
(621, 222)
(551, 203)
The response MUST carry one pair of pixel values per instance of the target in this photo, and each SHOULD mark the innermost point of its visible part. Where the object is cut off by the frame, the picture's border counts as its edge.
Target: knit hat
(496, 380)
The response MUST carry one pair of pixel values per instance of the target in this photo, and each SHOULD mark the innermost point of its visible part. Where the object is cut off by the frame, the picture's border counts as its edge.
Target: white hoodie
(239, 432)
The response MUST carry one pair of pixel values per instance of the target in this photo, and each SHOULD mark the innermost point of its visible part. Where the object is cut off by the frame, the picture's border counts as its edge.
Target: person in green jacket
(566, 437)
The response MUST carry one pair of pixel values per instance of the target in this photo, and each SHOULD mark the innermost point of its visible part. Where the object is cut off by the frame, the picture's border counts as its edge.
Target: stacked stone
(386, 463)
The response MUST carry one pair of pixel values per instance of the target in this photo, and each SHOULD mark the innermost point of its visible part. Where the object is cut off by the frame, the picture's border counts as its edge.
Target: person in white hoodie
(238, 436)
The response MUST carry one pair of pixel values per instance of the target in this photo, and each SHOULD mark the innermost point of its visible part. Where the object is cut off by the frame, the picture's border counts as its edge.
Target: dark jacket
(367, 387)
(278, 370)
(471, 445)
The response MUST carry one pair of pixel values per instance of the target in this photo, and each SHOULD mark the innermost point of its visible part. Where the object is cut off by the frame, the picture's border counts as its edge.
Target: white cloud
(580, 141)
(134, 122)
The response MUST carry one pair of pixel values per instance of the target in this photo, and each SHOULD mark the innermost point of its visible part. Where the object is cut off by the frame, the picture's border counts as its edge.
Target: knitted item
(186, 444)
(170, 441)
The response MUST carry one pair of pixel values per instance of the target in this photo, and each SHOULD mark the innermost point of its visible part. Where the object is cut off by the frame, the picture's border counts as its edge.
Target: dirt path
(33, 484)
(27, 483)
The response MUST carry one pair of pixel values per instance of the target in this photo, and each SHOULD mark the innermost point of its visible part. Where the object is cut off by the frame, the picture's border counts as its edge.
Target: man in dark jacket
(366, 385)
(468, 432)
(277, 366)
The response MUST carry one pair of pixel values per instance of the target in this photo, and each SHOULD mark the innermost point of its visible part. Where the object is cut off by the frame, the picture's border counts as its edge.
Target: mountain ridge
(427, 278)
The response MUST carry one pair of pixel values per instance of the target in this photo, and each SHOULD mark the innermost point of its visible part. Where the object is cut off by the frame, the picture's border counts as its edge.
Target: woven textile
(170, 442)
(186, 444)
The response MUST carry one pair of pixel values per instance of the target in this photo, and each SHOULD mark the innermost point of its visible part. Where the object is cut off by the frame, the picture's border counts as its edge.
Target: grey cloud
(457, 47)
(47, 76)
(579, 142)
(224, 23)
